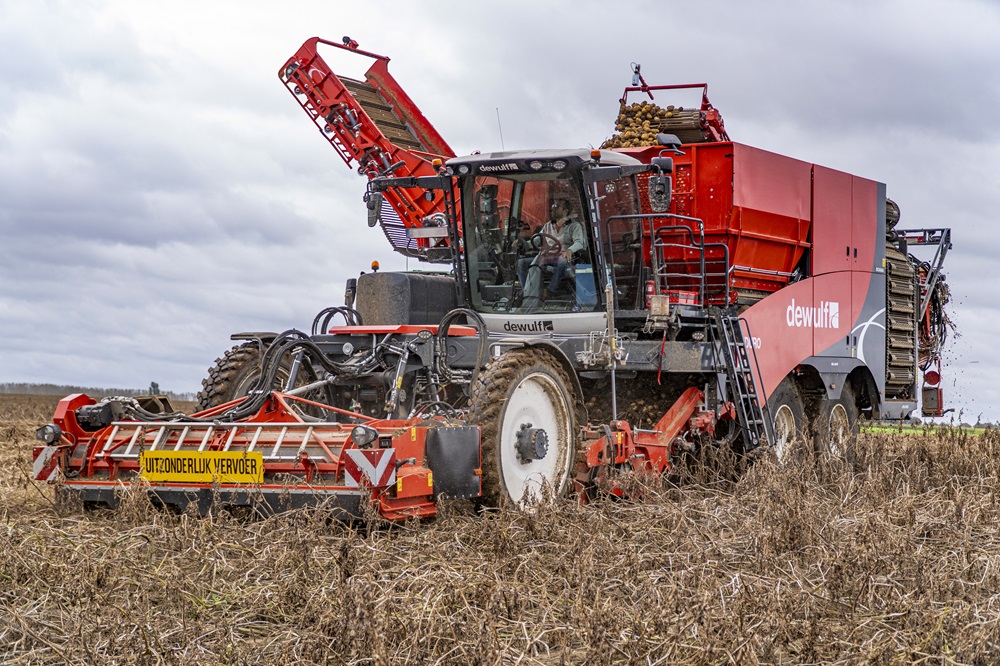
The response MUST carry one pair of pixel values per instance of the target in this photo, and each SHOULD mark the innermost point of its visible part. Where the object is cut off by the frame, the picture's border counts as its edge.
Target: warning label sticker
(202, 466)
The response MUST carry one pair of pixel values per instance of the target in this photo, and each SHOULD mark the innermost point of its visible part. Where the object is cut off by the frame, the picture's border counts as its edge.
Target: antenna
(502, 147)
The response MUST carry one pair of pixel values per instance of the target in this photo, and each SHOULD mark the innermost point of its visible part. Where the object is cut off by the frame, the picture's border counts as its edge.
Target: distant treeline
(59, 389)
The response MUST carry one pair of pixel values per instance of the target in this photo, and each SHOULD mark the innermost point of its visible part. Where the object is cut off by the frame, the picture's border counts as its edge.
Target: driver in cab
(561, 238)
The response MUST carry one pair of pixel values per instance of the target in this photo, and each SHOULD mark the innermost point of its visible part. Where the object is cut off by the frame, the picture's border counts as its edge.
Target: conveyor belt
(901, 324)
(382, 114)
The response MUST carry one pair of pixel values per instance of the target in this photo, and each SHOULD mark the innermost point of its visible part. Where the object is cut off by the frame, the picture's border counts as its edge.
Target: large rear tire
(524, 404)
(790, 424)
(837, 426)
(235, 372)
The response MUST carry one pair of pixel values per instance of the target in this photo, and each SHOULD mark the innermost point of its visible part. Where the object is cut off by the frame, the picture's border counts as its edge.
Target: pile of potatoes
(638, 124)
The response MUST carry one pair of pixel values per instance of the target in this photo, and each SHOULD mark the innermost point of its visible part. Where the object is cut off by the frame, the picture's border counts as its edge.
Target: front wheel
(524, 405)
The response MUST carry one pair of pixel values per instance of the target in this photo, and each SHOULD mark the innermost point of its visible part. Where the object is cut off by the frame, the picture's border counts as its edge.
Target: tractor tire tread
(486, 405)
(217, 387)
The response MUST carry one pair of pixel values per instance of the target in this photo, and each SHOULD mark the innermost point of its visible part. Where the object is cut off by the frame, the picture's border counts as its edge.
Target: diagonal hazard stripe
(42, 462)
(350, 479)
(380, 472)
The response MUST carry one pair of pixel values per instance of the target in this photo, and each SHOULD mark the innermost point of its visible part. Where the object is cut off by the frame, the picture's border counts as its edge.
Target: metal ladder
(737, 353)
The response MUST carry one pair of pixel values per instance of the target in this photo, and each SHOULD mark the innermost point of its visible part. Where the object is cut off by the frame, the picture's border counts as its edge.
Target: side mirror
(669, 142)
(374, 202)
(664, 164)
(350, 291)
(660, 191)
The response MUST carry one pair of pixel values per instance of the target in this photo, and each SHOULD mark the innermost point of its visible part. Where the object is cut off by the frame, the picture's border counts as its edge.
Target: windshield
(528, 244)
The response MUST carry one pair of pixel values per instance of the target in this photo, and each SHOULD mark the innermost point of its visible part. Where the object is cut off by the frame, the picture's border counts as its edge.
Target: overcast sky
(159, 188)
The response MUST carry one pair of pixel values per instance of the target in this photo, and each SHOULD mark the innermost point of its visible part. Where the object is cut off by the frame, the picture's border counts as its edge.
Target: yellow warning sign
(202, 466)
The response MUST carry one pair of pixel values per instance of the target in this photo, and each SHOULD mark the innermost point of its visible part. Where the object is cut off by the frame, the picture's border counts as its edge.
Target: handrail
(657, 244)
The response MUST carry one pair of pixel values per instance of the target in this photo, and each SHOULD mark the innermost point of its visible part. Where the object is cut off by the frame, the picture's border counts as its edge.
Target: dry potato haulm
(891, 559)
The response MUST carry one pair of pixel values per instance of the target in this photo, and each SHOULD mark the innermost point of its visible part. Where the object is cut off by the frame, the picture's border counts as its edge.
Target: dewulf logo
(825, 315)
(538, 326)
(510, 166)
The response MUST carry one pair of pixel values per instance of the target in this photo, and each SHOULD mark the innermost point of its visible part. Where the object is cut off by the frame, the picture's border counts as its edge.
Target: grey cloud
(158, 194)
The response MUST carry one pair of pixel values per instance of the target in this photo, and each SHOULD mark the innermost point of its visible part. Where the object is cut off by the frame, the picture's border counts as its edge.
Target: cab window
(528, 245)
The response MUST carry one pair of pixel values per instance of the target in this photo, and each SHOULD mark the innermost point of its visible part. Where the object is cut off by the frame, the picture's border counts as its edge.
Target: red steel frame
(95, 459)
(344, 123)
(713, 119)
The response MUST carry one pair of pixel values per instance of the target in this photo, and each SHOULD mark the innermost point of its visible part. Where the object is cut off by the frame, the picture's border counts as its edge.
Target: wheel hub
(532, 443)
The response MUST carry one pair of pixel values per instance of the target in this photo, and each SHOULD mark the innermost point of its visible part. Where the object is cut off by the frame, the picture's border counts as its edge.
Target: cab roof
(574, 156)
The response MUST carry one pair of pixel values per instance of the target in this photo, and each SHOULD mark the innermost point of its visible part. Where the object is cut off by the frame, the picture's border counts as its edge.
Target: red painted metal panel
(780, 340)
(865, 223)
(755, 202)
(771, 183)
(809, 317)
(712, 170)
(833, 314)
(832, 220)
(401, 329)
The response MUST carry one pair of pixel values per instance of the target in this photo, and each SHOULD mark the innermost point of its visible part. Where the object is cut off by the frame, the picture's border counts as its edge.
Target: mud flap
(454, 459)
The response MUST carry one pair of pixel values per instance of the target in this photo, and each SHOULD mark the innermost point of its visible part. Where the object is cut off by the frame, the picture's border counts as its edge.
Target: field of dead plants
(892, 559)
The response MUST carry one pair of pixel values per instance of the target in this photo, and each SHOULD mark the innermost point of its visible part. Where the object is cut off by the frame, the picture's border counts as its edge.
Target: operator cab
(535, 246)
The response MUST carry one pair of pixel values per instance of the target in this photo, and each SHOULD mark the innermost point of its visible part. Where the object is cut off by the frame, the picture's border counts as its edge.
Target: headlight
(535, 164)
(463, 169)
(49, 434)
(559, 165)
(363, 436)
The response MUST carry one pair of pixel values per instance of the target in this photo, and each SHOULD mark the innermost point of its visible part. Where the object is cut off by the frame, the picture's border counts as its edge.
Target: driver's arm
(578, 237)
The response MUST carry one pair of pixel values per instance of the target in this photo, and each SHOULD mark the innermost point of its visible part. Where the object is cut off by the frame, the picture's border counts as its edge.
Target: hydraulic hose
(441, 342)
(321, 323)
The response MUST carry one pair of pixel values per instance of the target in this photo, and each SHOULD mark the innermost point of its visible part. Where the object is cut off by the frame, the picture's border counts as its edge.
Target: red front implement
(275, 460)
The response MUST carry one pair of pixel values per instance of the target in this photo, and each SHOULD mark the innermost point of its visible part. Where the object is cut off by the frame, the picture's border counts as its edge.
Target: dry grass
(895, 559)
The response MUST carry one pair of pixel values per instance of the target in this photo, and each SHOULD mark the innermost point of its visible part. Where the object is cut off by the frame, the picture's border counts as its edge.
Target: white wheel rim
(784, 432)
(537, 399)
(839, 430)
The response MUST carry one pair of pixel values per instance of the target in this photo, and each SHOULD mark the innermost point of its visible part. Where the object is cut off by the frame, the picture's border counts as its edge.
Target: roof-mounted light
(559, 165)
(536, 164)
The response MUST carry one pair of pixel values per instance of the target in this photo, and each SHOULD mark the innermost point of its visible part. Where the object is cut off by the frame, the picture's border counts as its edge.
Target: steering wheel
(547, 245)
